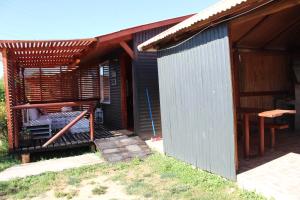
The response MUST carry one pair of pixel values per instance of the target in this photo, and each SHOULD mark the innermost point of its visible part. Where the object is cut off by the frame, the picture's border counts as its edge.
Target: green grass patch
(157, 177)
(67, 195)
(99, 190)
(6, 160)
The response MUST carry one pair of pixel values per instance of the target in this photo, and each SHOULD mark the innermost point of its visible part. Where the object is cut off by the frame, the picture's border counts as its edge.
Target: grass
(99, 190)
(6, 160)
(157, 177)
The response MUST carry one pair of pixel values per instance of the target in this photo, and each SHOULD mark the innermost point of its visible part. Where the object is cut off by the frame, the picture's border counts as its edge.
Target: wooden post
(124, 113)
(272, 137)
(262, 135)
(65, 129)
(247, 135)
(25, 157)
(15, 95)
(41, 88)
(236, 100)
(92, 128)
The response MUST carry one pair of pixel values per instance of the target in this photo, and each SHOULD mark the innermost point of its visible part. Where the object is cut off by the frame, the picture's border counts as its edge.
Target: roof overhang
(222, 11)
(111, 42)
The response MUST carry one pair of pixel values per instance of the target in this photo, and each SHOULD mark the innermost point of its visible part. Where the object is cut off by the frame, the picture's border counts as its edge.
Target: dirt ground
(85, 189)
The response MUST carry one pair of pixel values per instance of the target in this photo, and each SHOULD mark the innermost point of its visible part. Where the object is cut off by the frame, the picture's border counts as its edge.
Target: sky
(74, 19)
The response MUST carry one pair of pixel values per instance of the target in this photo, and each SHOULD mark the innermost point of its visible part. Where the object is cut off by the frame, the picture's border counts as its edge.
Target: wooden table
(246, 112)
(268, 114)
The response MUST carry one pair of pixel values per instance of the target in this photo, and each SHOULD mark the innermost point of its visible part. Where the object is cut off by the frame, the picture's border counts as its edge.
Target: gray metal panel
(112, 112)
(197, 103)
(145, 75)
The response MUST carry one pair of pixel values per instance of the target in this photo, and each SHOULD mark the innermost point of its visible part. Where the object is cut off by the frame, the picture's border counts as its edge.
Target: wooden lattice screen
(61, 84)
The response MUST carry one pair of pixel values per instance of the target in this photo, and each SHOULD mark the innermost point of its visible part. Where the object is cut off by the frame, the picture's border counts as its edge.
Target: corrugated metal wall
(145, 75)
(112, 111)
(197, 103)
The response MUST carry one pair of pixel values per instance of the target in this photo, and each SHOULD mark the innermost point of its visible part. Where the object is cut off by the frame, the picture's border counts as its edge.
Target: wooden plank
(92, 123)
(276, 113)
(65, 129)
(35, 54)
(59, 104)
(267, 10)
(67, 140)
(76, 47)
(74, 141)
(252, 29)
(281, 31)
(264, 93)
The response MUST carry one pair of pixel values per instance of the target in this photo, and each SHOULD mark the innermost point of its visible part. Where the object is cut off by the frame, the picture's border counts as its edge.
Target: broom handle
(150, 112)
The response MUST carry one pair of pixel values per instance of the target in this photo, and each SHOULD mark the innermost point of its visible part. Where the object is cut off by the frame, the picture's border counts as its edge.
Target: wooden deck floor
(67, 141)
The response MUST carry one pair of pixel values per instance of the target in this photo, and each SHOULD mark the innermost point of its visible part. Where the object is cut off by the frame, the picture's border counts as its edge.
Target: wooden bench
(272, 128)
(270, 114)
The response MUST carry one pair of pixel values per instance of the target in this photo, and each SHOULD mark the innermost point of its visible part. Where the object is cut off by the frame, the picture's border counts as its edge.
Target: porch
(277, 173)
(66, 141)
(51, 97)
(265, 77)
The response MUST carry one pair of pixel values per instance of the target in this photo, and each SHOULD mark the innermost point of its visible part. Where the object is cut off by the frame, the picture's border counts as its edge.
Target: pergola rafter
(46, 53)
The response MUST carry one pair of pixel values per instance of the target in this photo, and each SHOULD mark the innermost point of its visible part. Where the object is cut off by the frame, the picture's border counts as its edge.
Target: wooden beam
(77, 47)
(44, 65)
(276, 34)
(127, 49)
(59, 104)
(65, 129)
(48, 54)
(252, 28)
(264, 93)
(241, 49)
(267, 10)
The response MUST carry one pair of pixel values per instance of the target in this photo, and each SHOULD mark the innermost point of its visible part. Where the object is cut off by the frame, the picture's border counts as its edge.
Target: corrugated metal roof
(215, 9)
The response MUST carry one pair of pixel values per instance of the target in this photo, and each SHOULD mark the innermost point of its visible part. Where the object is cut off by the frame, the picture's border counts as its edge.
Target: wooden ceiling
(278, 30)
(32, 54)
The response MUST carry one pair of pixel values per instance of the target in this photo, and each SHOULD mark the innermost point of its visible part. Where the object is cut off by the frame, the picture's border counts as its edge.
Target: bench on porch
(273, 127)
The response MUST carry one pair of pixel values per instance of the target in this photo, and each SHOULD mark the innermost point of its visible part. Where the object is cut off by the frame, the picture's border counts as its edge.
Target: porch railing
(90, 110)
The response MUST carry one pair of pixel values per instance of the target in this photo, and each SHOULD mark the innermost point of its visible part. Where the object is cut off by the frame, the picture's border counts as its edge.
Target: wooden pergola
(48, 75)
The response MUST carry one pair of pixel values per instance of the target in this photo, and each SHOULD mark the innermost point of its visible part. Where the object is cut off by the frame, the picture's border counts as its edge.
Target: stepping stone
(122, 148)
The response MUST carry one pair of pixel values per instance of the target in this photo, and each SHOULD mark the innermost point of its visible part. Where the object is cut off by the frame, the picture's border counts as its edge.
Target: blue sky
(71, 19)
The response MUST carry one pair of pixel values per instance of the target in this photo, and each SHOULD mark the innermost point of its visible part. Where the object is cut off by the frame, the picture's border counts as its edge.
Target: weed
(99, 190)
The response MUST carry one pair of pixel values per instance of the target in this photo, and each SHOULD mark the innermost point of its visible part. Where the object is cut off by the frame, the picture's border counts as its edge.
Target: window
(104, 84)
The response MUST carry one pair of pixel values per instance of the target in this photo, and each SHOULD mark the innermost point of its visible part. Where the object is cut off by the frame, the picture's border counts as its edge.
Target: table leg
(247, 135)
(262, 135)
(272, 138)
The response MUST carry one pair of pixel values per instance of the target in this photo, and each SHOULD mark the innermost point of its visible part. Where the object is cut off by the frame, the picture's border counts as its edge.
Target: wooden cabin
(229, 84)
(67, 93)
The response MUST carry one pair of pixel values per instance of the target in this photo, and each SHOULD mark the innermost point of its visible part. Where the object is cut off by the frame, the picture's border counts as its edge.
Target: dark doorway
(129, 95)
(126, 92)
